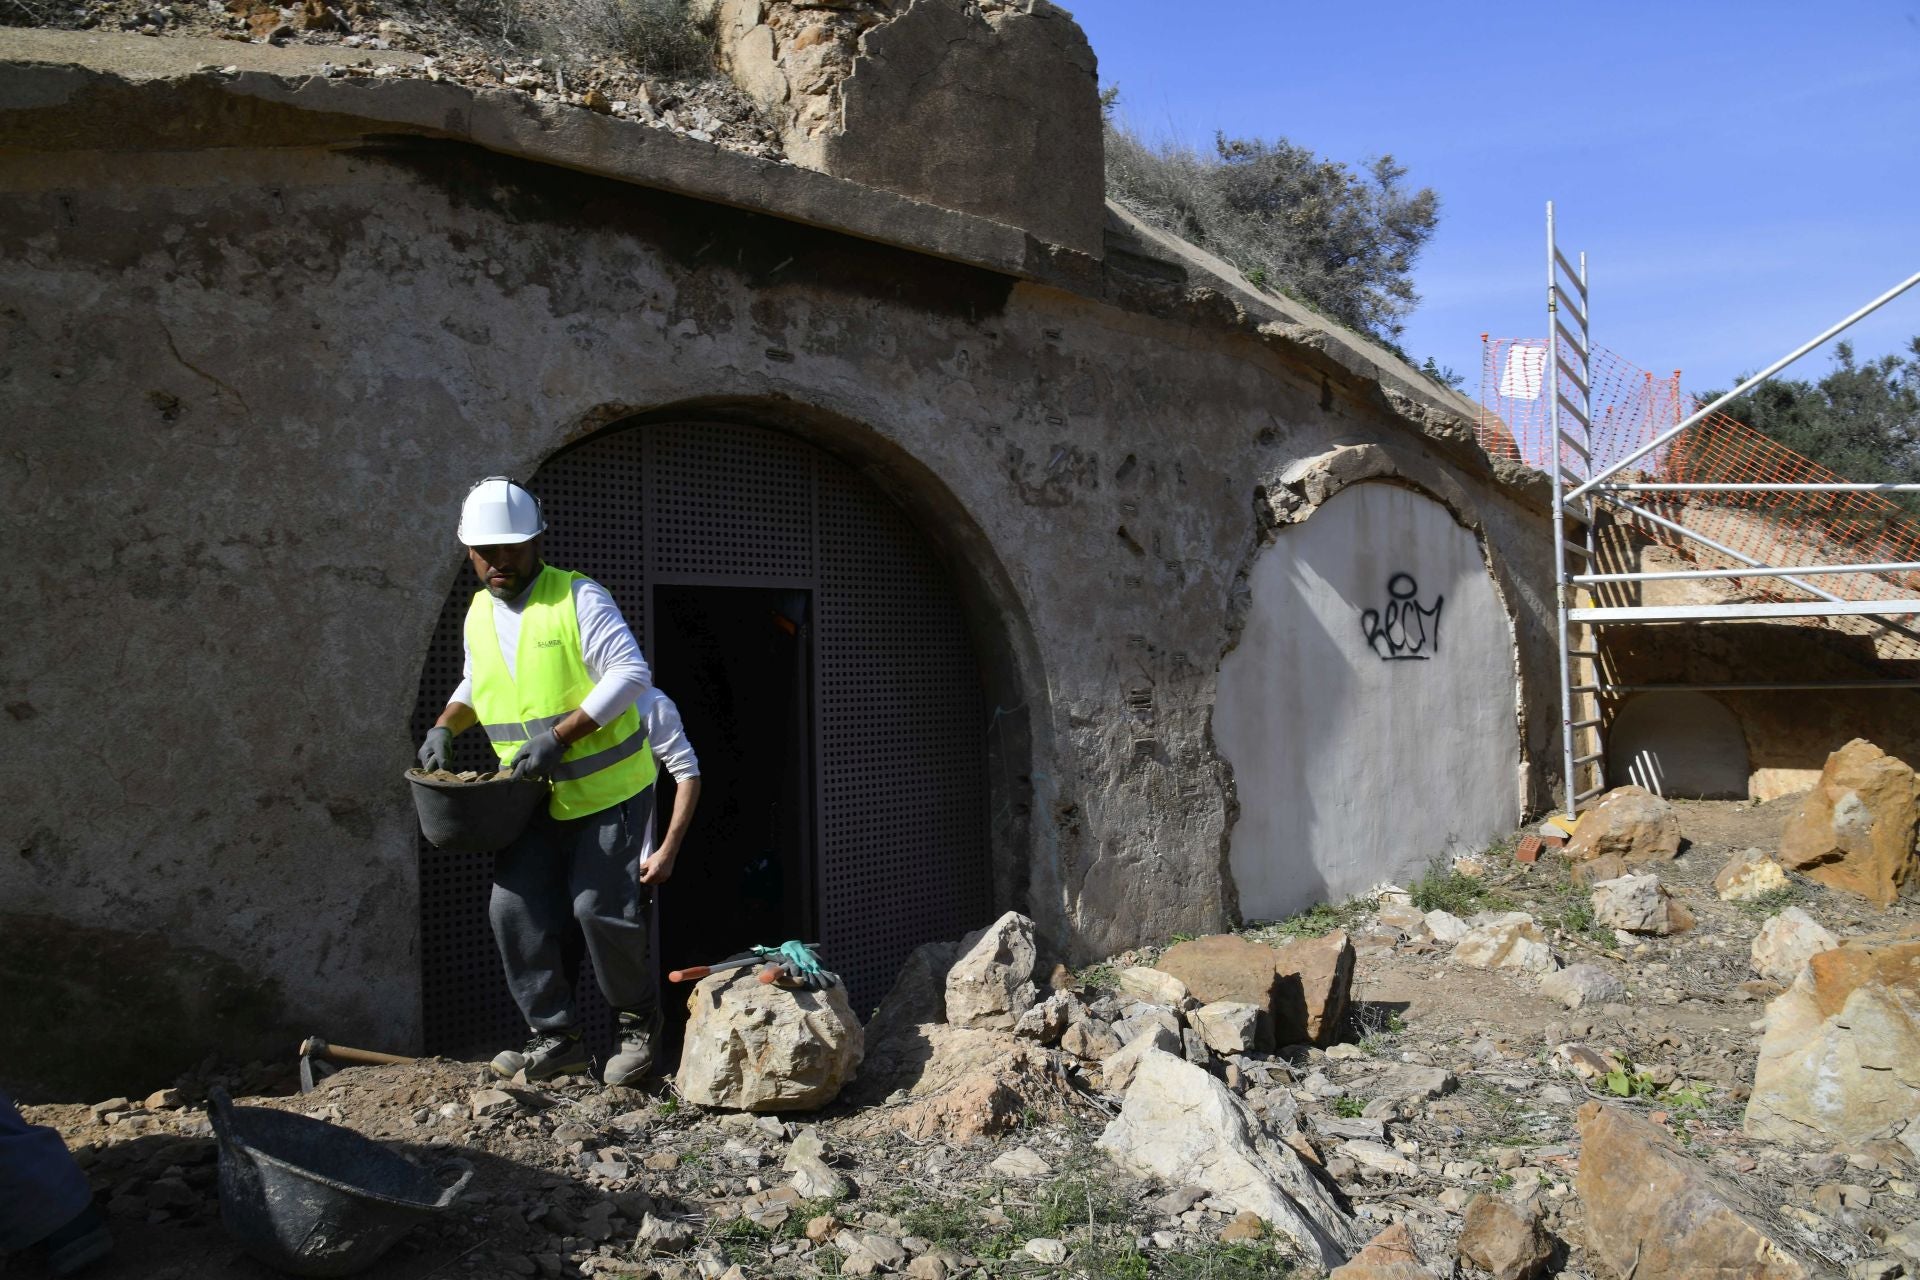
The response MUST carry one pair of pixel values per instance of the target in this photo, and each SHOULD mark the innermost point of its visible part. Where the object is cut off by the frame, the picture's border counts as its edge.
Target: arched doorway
(821, 660)
(1678, 743)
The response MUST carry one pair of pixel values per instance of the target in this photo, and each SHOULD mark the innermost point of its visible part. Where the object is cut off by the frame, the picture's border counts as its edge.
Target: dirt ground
(567, 1176)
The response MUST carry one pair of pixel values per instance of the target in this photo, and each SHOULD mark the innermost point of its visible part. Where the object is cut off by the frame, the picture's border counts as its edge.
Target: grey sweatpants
(565, 881)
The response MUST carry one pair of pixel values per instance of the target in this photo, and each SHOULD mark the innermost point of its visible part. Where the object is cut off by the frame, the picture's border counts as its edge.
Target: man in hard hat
(553, 675)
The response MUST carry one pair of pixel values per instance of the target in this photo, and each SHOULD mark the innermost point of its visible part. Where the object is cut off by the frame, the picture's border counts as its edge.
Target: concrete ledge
(78, 91)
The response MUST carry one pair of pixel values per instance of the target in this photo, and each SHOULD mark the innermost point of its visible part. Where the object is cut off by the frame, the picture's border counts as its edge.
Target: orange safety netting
(1631, 407)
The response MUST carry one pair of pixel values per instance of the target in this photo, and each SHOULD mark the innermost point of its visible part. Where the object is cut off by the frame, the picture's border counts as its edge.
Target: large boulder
(1181, 1125)
(1303, 986)
(1786, 942)
(1655, 1213)
(928, 99)
(991, 982)
(1840, 1054)
(760, 1047)
(1630, 822)
(968, 1084)
(1639, 904)
(1855, 830)
(1222, 966)
(1316, 979)
(1510, 940)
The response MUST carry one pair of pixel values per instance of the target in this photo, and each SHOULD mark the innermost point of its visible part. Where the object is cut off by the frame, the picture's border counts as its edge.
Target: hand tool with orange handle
(791, 964)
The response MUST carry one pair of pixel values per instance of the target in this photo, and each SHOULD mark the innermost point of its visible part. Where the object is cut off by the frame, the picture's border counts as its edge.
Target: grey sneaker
(548, 1054)
(630, 1066)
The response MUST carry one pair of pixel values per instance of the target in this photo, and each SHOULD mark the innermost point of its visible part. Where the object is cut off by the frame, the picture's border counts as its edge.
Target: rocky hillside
(1681, 1044)
(641, 60)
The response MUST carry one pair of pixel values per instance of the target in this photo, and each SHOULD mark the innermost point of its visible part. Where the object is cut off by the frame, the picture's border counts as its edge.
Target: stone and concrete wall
(991, 108)
(249, 376)
(1370, 709)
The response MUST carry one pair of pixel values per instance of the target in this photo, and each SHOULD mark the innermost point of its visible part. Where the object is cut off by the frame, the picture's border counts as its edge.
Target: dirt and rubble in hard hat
(465, 775)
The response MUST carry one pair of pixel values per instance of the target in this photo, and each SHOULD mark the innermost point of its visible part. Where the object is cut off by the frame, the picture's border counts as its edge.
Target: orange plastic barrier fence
(1632, 406)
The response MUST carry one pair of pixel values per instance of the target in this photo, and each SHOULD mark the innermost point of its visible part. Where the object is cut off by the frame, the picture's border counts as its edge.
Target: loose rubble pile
(1655, 1052)
(550, 50)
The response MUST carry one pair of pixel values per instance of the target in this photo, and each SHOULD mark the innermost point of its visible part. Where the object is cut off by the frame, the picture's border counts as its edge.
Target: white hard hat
(499, 512)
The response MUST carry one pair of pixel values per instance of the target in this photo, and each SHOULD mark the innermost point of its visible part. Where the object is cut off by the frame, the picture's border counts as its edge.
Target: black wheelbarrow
(315, 1199)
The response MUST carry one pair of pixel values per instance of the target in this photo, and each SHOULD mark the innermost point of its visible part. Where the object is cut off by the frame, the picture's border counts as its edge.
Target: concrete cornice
(76, 91)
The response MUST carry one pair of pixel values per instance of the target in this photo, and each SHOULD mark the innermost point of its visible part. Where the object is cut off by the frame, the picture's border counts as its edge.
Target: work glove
(437, 750)
(539, 756)
(799, 966)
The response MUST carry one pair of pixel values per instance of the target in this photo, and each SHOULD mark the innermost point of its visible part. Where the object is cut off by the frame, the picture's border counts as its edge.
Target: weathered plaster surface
(246, 386)
(1363, 747)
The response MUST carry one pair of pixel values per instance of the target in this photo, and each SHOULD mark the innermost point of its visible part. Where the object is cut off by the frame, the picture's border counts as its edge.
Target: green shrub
(657, 36)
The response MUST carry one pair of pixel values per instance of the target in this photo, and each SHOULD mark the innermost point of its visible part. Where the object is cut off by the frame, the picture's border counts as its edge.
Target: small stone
(1505, 1239)
(1021, 1162)
(164, 1100)
(1228, 1026)
(101, 1109)
(1046, 1250)
(1508, 941)
(1446, 927)
(822, 1229)
(1089, 1040)
(1178, 1201)
(1154, 986)
(491, 1102)
(659, 1235)
(1375, 1155)
(1244, 1225)
(1583, 984)
(1639, 904)
(1749, 875)
(1786, 942)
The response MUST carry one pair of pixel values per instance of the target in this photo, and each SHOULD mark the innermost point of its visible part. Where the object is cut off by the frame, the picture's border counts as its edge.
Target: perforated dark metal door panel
(901, 785)
(903, 748)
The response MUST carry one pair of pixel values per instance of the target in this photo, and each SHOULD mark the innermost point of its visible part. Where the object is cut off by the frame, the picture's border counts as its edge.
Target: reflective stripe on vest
(548, 682)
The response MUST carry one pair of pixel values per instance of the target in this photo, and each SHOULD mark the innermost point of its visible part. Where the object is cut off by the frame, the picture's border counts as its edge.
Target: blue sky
(1740, 175)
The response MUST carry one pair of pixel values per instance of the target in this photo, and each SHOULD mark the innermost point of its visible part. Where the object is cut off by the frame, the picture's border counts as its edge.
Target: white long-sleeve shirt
(667, 736)
(612, 655)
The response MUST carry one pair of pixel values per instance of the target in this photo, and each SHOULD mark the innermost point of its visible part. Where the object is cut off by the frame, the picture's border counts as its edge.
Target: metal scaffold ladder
(1568, 360)
(1585, 483)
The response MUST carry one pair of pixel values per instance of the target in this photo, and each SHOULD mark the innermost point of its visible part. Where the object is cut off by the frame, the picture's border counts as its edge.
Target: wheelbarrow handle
(220, 1115)
(451, 1191)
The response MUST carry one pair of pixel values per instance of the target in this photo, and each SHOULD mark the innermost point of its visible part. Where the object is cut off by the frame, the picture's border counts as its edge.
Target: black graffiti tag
(1406, 629)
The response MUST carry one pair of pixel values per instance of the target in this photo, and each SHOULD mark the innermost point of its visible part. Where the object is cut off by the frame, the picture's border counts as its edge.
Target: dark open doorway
(738, 663)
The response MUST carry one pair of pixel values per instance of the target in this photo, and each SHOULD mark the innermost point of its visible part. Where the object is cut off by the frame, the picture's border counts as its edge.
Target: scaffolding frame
(1581, 489)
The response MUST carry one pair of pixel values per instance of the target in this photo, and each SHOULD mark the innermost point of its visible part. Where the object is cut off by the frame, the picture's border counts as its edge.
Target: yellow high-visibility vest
(548, 682)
